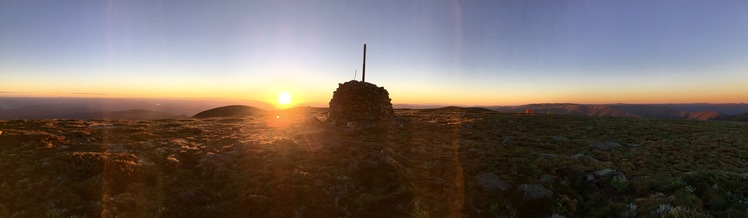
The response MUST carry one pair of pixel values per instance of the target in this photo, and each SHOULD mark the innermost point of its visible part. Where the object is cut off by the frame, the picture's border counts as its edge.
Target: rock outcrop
(361, 105)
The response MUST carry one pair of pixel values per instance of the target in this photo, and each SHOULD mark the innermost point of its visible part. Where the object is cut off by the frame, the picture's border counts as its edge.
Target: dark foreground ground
(437, 163)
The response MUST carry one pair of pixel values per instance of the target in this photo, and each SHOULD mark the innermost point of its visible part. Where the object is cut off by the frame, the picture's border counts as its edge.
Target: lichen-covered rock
(584, 158)
(509, 141)
(604, 172)
(605, 146)
(491, 182)
(535, 191)
(362, 103)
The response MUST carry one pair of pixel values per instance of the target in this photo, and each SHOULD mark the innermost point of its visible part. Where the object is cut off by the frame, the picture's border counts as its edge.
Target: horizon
(477, 53)
(269, 105)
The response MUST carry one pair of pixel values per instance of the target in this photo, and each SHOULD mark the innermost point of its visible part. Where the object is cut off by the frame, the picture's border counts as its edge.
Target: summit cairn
(360, 104)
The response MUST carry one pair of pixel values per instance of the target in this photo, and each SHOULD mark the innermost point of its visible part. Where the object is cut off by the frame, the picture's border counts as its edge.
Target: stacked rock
(360, 104)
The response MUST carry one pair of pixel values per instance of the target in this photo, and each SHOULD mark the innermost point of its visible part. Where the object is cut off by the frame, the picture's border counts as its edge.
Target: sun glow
(284, 98)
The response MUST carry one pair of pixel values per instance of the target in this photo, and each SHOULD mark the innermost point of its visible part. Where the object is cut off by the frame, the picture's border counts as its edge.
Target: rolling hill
(231, 111)
(702, 115)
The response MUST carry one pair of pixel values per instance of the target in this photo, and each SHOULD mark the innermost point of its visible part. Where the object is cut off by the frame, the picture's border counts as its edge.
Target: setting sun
(284, 98)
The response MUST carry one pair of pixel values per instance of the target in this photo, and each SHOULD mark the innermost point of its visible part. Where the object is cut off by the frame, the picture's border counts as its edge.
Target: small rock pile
(360, 104)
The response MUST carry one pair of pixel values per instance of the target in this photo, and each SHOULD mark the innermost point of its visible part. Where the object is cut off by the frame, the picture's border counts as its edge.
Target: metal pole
(363, 70)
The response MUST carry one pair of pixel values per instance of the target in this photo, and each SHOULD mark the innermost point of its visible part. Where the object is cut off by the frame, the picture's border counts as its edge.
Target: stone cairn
(361, 105)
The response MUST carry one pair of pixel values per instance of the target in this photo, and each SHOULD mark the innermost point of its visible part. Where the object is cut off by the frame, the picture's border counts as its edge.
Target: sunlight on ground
(284, 118)
(278, 121)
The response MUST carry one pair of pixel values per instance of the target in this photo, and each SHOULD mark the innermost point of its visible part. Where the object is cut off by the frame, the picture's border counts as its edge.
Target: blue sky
(444, 52)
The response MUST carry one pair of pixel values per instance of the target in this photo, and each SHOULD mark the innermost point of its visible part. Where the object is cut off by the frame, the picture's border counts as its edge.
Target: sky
(469, 52)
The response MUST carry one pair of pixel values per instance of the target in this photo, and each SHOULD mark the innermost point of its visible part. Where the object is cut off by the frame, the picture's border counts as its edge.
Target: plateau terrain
(445, 162)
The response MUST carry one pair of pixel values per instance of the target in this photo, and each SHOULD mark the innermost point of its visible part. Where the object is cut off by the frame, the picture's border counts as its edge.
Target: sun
(284, 98)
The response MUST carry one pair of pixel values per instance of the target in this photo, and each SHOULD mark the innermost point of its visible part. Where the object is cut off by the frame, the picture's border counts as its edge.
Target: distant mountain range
(672, 111)
(144, 109)
(109, 108)
(32, 112)
(612, 110)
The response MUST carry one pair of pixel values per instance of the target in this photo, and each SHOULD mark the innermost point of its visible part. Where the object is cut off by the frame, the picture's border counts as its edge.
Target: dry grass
(425, 167)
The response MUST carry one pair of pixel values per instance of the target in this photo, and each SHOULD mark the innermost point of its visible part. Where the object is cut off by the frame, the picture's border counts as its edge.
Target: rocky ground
(432, 163)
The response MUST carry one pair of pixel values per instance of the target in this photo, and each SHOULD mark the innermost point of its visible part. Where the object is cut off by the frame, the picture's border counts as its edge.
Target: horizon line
(317, 103)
